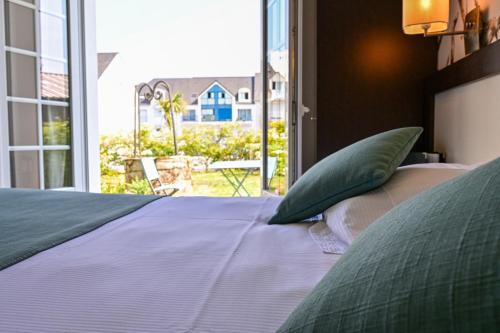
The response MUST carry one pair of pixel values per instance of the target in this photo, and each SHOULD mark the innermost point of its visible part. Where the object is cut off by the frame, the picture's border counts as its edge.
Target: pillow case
(347, 219)
(353, 170)
(429, 265)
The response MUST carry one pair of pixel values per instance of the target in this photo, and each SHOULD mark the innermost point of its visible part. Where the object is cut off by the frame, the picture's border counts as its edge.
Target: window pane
(53, 6)
(24, 169)
(53, 34)
(23, 124)
(19, 26)
(58, 169)
(21, 75)
(55, 81)
(56, 125)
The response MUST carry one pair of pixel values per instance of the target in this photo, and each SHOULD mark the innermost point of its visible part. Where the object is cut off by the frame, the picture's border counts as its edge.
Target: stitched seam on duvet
(224, 265)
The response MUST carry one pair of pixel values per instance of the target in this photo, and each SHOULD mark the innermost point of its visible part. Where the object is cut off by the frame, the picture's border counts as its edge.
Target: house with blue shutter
(212, 101)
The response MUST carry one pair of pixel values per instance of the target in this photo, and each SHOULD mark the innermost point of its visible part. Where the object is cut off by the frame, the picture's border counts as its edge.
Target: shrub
(139, 186)
(224, 142)
(221, 143)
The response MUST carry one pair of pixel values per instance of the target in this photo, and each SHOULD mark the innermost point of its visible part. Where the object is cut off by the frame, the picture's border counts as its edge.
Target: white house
(214, 100)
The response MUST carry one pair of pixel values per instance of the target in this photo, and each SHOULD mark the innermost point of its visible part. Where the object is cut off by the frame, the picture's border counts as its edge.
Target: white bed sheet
(176, 265)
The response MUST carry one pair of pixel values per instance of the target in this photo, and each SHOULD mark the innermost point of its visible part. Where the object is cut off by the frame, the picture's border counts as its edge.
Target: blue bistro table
(237, 182)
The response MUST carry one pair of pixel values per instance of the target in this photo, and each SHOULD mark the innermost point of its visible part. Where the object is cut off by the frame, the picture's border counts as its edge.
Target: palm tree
(178, 107)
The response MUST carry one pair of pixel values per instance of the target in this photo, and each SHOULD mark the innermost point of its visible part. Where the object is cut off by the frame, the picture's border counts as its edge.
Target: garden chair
(153, 178)
(272, 164)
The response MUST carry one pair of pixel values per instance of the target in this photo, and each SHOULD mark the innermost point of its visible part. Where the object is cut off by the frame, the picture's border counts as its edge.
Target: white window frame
(77, 105)
(4, 134)
(247, 110)
(242, 95)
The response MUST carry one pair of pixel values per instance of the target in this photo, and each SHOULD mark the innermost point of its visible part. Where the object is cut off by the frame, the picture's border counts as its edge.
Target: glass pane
(55, 81)
(56, 125)
(19, 26)
(58, 169)
(21, 75)
(53, 34)
(277, 95)
(24, 169)
(23, 124)
(53, 6)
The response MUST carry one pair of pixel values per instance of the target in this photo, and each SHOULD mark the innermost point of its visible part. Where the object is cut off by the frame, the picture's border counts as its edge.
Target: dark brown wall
(370, 75)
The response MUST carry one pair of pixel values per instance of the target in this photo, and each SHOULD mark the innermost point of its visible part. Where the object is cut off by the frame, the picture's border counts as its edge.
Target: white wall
(116, 98)
(467, 122)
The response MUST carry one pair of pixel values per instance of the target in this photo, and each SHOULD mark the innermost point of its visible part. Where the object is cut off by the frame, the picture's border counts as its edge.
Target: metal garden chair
(153, 178)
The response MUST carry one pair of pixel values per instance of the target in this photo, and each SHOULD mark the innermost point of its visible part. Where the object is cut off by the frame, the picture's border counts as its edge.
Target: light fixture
(431, 18)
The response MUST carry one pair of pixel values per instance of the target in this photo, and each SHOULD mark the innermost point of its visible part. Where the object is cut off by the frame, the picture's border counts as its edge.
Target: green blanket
(34, 221)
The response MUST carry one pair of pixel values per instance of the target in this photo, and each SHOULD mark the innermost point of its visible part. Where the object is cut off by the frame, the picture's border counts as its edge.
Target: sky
(167, 38)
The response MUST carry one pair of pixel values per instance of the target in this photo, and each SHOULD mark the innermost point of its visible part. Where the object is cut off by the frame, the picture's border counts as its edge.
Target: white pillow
(349, 218)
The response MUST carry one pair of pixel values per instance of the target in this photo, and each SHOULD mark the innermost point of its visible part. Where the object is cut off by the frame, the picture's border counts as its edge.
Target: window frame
(190, 116)
(247, 111)
(75, 104)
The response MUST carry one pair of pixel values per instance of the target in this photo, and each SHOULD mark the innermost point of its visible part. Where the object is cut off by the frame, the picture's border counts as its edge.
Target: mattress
(175, 265)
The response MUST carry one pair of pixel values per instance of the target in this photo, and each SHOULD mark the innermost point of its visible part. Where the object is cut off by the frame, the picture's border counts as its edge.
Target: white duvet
(176, 265)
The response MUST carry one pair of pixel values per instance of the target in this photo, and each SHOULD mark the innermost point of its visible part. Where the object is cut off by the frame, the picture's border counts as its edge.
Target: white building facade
(210, 101)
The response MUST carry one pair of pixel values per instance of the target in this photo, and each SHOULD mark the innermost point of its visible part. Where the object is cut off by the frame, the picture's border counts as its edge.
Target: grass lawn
(211, 184)
(214, 184)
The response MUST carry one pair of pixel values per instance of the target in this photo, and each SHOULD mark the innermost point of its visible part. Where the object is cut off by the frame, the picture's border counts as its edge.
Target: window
(209, 95)
(244, 95)
(189, 115)
(208, 115)
(244, 115)
(39, 109)
(277, 85)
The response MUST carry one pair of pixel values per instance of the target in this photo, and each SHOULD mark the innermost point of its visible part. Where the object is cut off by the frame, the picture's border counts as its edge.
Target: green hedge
(224, 142)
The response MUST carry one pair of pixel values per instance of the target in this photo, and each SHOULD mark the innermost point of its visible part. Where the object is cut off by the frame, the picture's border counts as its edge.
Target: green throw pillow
(351, 171)
(430, 265)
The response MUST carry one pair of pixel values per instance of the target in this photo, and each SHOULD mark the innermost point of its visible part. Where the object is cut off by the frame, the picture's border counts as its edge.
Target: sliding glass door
(280, 86)
(37, 116)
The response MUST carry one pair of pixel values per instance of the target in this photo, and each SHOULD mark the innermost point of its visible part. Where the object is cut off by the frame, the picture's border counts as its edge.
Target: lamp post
(150, 93)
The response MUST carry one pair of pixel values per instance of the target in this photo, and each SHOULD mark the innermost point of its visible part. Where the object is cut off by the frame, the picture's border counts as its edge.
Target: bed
(174, 265)
(180, 265)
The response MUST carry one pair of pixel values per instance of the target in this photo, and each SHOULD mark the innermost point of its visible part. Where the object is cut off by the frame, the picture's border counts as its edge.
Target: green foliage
(221, 143)
(56, 132)
(114, 150)
(224, 142)
(278, 145)
(139, 186)
(156, 143)
(179, 106)
(113, 184)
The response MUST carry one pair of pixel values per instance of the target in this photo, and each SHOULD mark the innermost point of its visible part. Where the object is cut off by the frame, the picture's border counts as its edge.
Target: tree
(178, 107)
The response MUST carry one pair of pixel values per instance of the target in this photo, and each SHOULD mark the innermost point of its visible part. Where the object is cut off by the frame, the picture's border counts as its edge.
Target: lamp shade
(422, 15)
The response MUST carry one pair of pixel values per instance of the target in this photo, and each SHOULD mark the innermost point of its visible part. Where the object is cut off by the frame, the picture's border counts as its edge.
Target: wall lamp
(431, 18)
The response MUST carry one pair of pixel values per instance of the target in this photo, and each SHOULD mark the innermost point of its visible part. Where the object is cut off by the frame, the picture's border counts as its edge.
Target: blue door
(224, 114)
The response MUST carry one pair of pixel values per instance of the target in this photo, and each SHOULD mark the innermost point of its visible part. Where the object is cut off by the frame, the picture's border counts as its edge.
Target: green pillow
(351, 171)
(430, 265)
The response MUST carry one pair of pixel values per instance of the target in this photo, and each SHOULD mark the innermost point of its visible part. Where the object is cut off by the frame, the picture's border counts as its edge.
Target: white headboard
(462, 103)
(467, 122)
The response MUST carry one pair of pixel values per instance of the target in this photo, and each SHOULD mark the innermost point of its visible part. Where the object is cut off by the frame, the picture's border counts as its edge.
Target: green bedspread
(34, 221)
